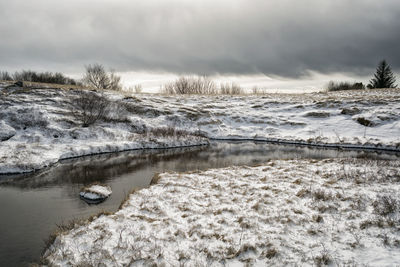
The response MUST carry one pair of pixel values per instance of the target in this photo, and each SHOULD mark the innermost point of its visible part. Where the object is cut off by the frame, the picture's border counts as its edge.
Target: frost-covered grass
(294, 212)
(38, 129)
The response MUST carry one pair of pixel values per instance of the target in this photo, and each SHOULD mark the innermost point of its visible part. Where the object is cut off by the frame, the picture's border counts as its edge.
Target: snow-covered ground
(37, 127)
(334, 117)
(287, 212)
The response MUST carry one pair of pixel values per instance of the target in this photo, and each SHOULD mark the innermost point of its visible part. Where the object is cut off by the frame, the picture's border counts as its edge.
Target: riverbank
(40, 126)
(307, 212)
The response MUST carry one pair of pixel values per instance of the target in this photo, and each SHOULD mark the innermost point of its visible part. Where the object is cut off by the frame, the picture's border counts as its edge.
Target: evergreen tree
(383, 77)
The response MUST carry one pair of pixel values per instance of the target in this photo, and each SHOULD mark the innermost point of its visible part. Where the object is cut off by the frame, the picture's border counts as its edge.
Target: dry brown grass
(155, 178)
(323, 259)
(61, 229)
(172, 132)
(35, 85)
(322, 195)
(126, 198)
(65, 228)
(271, 253)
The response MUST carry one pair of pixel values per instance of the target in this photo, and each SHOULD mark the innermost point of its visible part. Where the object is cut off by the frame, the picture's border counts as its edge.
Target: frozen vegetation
(39, 126)
(286, 212)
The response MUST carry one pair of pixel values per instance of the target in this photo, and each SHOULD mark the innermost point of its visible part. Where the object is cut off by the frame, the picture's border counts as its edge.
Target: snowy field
(286, 212)
(364, 117)
(37, 128)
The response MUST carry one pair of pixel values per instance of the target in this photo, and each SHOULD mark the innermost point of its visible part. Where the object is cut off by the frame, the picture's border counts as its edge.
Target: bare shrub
(322, 195)
(317, 218)
(97, 77)
(116, 112)
(171, 131)
(270, 253)
(231, 89)
(88, 107)
(138, 88)
(115, 82)
(385, 205)
(191, 85)
(30, 117)
(323, 259)
(258, 91)
(5, 76)
(255, 90)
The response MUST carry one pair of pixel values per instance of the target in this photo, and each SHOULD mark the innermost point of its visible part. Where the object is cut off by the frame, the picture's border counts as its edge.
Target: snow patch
(6, 131)
(96, 192)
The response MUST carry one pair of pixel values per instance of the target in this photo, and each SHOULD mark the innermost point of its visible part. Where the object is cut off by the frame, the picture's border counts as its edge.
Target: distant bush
(231, 89)
(138, 88)
(40, 77)
(339, 86)
(191, 85)
(5, 76)
(88, 107)
(97, 77)
(257, 91)
(201, 85)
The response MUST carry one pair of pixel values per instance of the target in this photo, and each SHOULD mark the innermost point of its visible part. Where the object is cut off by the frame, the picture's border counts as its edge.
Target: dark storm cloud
(284, 38)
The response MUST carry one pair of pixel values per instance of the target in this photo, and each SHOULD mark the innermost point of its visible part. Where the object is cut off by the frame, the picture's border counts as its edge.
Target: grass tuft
(385, 205)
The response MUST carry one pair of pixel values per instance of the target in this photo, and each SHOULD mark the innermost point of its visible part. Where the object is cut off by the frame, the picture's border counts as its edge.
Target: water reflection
(33, 204)
(102, 168)
(98, 168)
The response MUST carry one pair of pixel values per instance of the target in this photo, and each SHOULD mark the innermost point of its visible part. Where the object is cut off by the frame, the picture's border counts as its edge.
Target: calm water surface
(32, 205)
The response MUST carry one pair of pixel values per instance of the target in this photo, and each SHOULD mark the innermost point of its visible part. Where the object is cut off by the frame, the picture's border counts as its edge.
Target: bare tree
(96, 76)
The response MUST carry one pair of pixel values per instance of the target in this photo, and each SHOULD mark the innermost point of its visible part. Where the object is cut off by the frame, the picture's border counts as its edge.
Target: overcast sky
(285, 38)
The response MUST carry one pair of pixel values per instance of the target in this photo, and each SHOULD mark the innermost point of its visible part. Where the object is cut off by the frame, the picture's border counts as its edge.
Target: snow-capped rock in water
(95, 193)
(6, 131)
